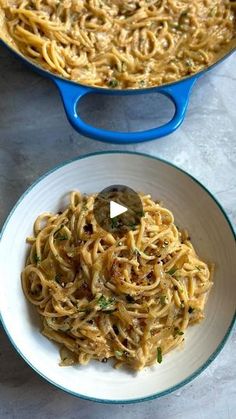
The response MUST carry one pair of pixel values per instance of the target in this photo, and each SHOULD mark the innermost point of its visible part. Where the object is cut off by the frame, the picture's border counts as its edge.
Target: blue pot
(71, 93)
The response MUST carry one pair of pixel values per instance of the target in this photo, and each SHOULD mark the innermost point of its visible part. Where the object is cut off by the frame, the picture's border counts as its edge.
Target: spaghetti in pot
(100, 296)
(121, 44)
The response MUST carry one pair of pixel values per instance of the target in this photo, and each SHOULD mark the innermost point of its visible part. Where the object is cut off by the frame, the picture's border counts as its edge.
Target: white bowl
(194, 208)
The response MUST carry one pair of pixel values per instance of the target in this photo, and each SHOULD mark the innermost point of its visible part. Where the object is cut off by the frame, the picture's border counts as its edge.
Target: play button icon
(118, 209)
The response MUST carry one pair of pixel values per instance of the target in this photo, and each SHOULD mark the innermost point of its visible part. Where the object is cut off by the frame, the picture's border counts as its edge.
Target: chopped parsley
(163, 300)
(198, 268)
(104, 302)
(177, 331)
(84, 207)
(113, 83)
(114, 222)
(36, 258)
(118, 353)
(159, 355)
(142, 83)
(190, 310)
(172, 271)
(61, 237)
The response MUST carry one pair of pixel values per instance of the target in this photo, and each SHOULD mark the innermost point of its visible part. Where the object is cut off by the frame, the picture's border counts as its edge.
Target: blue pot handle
(71, 94)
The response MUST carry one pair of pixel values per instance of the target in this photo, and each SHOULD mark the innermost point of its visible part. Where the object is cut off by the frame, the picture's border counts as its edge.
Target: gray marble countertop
(35, 136)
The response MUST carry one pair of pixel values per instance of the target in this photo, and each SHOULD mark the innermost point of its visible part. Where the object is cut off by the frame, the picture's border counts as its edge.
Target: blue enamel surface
(71, 93)
(190, 377)
(179, 94)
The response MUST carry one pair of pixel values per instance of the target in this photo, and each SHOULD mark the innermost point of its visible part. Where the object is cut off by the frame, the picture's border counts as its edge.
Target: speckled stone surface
(35, 136)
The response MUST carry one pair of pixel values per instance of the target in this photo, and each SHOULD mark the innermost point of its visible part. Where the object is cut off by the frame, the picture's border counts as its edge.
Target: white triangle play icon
(116, 209)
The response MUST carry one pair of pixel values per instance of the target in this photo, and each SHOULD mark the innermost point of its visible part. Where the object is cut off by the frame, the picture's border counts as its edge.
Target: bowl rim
(191, 376)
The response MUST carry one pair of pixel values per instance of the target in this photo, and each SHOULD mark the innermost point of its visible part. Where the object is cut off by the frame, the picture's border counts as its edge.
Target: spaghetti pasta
(117, 44)
(100, 296)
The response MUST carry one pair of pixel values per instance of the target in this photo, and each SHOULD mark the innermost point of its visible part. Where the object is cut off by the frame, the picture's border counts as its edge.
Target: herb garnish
(113, 83)
(177, 331)
(36, 258)
(159, 355)
(114, 222)
(104, 302)
(163, 300)
(84, 207)
(172, 271)
(61, 237)
(118, 353)
(190, 310)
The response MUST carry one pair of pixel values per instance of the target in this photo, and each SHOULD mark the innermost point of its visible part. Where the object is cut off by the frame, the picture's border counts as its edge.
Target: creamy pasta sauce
(121, 44)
